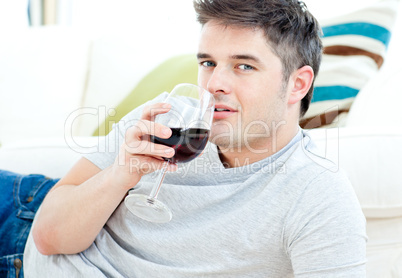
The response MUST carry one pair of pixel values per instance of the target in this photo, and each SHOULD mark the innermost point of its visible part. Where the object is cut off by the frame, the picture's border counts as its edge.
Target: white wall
(13, 14)
(152, 18)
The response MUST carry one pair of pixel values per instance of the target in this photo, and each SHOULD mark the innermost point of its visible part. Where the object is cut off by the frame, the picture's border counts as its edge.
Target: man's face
(238, 67)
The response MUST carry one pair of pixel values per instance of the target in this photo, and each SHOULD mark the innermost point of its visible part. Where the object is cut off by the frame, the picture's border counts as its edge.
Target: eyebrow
(234, 57)
(246, 57)
(203, 56)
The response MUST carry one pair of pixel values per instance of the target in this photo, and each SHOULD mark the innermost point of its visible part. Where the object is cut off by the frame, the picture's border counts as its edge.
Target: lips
(223, 111)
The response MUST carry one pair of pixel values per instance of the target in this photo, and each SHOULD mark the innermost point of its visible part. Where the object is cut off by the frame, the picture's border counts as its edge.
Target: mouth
(222, 111)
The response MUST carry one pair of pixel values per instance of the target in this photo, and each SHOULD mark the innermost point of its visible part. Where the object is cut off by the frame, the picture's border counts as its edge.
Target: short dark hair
(291, 30)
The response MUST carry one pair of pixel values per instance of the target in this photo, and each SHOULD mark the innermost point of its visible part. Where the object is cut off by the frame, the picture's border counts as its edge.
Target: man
(253, 205)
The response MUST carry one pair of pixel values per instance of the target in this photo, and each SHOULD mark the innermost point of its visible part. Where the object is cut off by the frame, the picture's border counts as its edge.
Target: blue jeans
(20, 198)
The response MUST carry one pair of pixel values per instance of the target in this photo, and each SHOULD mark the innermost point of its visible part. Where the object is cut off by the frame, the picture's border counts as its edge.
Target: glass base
(148, 208)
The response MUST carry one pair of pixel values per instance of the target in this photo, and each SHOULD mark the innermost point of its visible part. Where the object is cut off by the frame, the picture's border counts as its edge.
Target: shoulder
(319, 184)
(311, 165)
(321, 189)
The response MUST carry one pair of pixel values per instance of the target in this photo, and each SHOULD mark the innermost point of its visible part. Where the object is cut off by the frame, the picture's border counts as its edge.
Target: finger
(145, 127)
(143, 147)
(151, 111)
(136, 142)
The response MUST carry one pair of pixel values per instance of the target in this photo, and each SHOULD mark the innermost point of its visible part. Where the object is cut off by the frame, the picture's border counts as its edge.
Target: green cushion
(179, 69)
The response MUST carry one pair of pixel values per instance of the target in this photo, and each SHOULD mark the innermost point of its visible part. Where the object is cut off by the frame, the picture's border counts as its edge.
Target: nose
(219, 81)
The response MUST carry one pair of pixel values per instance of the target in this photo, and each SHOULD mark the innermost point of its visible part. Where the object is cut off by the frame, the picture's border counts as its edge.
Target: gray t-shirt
(290, 215)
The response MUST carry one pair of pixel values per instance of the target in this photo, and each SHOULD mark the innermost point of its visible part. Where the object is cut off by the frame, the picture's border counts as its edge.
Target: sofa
(61, 88)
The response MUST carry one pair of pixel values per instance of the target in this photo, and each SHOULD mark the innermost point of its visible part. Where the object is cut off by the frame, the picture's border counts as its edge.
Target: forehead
(218, 38)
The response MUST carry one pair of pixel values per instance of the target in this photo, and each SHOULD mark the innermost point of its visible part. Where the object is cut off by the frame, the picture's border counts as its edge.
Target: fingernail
(166, 131)
(169, 151)
(166, 105)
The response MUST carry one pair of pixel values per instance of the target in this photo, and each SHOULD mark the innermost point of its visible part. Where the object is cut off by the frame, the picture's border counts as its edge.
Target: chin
(224, 135)
(223, 142)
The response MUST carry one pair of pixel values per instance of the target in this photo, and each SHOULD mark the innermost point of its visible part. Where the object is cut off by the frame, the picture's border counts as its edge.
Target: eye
(245, 67)
(207, 64)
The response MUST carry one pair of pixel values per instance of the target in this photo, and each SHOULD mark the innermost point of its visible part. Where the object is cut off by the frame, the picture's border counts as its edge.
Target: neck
(246, 154)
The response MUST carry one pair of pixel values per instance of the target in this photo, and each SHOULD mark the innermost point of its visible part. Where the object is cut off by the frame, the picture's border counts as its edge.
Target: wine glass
(190, 120)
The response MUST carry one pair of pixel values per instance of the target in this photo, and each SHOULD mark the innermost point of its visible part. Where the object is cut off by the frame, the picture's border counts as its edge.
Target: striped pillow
(354, 49)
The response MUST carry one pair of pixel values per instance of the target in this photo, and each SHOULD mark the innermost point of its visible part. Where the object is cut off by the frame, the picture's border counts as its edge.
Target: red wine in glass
(190, 119)
(187, 143)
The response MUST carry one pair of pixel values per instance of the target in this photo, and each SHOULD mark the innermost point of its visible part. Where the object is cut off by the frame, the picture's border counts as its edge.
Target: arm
(80, 204)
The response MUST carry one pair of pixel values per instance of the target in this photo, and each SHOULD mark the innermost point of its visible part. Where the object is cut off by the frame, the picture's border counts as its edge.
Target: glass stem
(157, 186)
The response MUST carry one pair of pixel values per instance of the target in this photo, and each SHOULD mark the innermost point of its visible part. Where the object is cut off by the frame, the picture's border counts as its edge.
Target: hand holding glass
(190, 120)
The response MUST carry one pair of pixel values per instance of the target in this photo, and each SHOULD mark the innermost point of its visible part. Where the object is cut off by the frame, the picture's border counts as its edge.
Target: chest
(232, 229)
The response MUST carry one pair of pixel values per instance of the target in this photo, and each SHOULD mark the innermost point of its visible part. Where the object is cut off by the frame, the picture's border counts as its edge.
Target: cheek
(257, 105)
(252, 97)
(252, 109)
(202, 78)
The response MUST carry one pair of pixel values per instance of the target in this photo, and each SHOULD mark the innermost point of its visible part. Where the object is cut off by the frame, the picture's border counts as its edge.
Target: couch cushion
(52, 157)
(384, 247)
(354, 49)
(42, 79)
(379, 103)
(179, 69)
(371, 159)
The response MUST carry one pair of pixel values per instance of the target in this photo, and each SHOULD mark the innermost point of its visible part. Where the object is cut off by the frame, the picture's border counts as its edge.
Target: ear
(301, 81)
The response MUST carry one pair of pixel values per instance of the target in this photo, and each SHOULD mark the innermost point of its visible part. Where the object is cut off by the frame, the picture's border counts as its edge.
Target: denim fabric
(20, 198)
